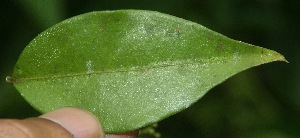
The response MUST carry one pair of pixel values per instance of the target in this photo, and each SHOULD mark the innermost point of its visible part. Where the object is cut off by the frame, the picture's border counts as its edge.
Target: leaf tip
(277, 56)
(281, 58)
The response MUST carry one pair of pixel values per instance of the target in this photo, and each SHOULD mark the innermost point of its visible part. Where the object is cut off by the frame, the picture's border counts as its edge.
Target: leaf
(130, 68)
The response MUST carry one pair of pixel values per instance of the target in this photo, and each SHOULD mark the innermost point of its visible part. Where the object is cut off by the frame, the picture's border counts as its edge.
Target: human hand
(67, 122)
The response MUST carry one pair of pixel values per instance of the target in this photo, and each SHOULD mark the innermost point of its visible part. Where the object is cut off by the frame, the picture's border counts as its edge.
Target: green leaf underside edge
(135, 86)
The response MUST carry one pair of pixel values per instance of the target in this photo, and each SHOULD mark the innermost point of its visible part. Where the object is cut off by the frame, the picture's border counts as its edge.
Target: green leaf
(130, 68)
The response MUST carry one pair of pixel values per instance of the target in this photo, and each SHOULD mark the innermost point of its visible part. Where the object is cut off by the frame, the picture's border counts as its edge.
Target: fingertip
(80, 123)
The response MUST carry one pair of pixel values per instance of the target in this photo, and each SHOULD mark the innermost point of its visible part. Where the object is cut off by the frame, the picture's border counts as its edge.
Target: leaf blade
(111, 62)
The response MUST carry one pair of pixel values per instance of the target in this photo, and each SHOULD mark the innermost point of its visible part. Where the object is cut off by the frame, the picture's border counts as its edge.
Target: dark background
(261, 102)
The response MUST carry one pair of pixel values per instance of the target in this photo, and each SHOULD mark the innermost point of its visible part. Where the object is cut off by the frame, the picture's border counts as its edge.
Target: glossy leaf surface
(130, 68)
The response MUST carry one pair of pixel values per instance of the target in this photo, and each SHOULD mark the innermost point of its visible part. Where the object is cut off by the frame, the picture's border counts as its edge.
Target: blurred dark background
(261, 102)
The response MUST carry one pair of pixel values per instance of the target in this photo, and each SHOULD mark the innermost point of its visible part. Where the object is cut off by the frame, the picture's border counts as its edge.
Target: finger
(80, 123)
(32, 128)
